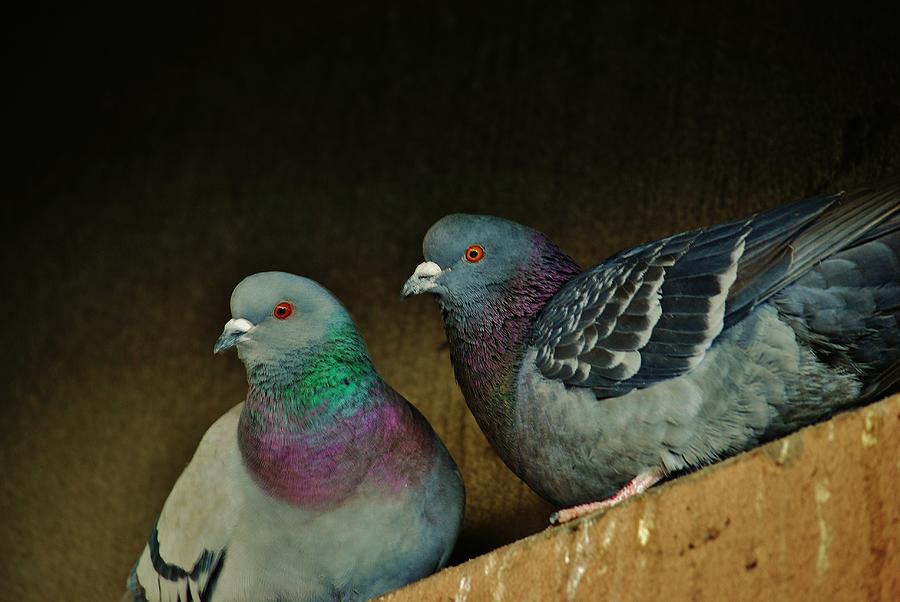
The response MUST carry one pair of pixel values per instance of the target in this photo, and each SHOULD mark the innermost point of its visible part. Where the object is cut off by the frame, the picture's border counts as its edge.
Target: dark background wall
(156, 156)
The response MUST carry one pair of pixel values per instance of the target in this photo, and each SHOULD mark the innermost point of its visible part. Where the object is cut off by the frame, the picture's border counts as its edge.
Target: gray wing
(188, 546)
(652, 312)
(171, 581)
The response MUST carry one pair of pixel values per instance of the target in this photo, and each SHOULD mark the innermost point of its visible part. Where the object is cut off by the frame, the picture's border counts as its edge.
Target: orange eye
(283, 310)
(474, 254)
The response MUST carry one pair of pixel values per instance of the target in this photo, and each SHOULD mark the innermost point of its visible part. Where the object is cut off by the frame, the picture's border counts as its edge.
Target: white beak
(234, 331)
(423, 279)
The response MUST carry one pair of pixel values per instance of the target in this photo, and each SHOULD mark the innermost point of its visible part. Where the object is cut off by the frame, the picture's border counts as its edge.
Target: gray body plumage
(710, 377)
(756, 383)
(227, 534)
(273, 551)
(686, 350)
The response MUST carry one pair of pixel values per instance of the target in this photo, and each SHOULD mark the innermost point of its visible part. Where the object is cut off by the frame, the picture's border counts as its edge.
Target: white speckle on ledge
(465, 586)
(489, 564)
(581, 545)
(499, 590)
(784, 451)
(608, 533)
(645, 525)
(868, 439)
(582, 542)
(572, 585)
(822, 496)
(759, 500)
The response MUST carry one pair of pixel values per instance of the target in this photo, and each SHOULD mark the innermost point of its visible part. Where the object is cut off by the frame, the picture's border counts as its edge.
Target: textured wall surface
(813, 516)
(157, 156)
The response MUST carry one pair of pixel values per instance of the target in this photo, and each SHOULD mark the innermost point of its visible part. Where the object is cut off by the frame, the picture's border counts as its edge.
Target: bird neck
(487, 341)
(313, 385)
(312, 434)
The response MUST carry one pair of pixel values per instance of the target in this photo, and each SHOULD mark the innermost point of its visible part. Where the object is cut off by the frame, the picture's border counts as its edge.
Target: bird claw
(634, 487)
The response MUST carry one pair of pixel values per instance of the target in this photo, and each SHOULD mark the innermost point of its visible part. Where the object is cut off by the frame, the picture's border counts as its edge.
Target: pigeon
(324, 484)
(593, 385)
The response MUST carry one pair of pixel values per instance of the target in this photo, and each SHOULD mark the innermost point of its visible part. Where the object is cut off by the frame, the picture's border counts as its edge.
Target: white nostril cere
(427, 269)
(238, 325)
(422, 280)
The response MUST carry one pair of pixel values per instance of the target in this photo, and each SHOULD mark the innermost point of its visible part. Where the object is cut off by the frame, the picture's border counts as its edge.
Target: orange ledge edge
(815, 515)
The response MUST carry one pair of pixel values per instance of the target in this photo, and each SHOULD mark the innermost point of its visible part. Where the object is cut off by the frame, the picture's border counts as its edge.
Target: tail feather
(847, 308)
(886, 382)
(786, 243)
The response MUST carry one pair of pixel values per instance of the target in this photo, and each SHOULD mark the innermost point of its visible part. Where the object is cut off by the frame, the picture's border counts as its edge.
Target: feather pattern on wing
(651, 313)
(643, 316)
(187, 548)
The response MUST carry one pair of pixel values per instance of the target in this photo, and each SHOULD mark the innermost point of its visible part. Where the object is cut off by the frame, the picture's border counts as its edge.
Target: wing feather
(651, 313)
(187, 547)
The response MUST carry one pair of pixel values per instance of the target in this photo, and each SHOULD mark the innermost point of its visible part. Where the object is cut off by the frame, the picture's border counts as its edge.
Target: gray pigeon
(325, 484)
(593, 385)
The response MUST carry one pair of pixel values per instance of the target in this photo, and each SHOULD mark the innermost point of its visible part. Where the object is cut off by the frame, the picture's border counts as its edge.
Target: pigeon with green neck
(324, 484)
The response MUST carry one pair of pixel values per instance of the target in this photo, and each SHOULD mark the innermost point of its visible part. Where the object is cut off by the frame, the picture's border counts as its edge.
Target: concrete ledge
(813, 516)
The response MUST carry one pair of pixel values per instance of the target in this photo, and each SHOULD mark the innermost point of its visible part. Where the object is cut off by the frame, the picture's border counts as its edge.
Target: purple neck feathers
(487, 342)
(319, 457)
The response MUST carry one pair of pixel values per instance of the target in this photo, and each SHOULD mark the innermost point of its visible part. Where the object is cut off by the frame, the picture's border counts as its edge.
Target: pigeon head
(277, 316)
(473, 258)
(468, 255)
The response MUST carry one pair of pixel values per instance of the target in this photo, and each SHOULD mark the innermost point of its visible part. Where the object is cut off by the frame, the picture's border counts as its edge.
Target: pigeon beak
(422, 280)
(233, 334)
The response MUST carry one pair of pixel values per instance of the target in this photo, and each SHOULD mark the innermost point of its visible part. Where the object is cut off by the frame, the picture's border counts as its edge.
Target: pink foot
(635, 486)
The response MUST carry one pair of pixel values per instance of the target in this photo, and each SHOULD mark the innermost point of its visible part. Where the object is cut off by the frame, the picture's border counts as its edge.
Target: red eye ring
(474, 254)
(283, 310)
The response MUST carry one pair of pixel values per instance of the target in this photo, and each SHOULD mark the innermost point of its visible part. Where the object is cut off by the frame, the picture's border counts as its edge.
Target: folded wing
(652, 312)
(188, 546)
